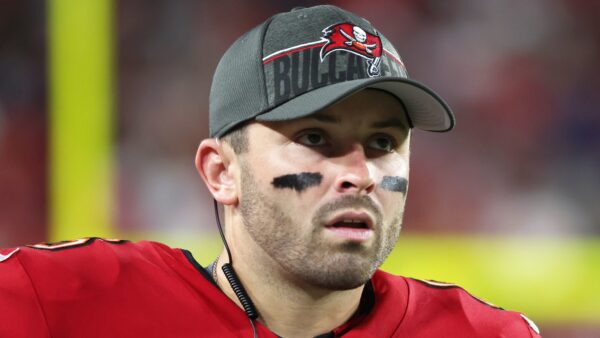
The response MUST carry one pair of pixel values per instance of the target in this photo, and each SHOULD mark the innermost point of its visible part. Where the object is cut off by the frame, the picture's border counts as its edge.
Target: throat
(305, 316)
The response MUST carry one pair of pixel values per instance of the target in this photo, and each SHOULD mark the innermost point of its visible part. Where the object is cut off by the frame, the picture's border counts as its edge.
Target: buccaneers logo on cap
(353, 39)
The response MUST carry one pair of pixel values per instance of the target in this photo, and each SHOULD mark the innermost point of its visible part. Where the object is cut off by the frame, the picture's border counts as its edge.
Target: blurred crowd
(23, 115)
(523, 79)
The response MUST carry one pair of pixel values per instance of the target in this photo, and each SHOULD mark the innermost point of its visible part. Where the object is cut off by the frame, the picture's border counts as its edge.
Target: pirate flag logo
(353, 39)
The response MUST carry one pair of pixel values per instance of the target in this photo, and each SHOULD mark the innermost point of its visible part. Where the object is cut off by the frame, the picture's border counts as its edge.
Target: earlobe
(213, 166)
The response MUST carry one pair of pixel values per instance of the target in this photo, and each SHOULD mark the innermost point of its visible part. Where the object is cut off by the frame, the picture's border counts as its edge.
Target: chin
(343, 273)
(346, 281)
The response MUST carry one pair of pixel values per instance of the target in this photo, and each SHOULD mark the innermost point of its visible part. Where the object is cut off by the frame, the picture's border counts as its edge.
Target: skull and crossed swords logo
(359, 42)
(359, 39)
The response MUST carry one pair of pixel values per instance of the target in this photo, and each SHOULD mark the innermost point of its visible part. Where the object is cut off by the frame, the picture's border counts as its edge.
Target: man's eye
(382, 142)
(312, 139)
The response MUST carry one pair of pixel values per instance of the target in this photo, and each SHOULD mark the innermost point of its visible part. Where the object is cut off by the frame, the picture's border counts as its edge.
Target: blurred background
(103, 103)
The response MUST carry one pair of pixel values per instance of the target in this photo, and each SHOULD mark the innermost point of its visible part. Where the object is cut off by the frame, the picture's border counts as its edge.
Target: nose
(355, 176)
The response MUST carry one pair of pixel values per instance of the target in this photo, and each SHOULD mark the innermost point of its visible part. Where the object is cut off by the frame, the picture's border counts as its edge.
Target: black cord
(239, 290)
(233, 279)
(254, 333)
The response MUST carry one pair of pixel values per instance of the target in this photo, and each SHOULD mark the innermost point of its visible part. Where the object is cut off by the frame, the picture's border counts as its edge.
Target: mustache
(350, 202)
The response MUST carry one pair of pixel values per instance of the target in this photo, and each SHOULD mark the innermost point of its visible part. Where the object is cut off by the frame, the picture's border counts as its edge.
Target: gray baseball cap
(299, 62)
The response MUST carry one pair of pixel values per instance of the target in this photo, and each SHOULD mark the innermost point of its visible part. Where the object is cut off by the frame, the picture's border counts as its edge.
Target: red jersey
(111, 288)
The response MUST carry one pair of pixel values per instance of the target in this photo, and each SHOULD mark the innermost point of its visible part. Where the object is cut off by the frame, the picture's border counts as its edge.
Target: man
(310, 117)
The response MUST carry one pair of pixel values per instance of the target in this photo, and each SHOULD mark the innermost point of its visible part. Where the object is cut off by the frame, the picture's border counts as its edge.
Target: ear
(213, 166)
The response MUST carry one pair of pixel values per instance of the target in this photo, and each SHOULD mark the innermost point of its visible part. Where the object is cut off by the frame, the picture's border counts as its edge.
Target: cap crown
(293, 53)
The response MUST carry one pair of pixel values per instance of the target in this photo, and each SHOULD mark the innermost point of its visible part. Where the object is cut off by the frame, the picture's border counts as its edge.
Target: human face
(323, 196)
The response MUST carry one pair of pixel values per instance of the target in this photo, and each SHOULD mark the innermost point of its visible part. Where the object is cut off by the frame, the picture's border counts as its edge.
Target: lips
(351, 226)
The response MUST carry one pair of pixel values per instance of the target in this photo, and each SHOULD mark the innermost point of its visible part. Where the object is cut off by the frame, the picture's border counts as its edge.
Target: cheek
(289, 168)
(289, 180)
(391, 174)
(282, 160)
(391, 178)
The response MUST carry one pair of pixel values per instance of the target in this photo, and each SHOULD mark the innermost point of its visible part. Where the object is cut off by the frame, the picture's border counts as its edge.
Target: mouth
(351, 225)
(351, 219)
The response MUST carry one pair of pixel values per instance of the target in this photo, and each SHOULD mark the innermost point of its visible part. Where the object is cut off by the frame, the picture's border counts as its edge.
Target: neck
(287, 307)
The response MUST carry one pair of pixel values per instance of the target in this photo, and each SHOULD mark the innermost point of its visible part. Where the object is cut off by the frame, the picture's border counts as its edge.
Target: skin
(305, 279)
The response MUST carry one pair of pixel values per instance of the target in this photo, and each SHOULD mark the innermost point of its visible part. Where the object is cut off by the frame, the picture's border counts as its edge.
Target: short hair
(237, 139)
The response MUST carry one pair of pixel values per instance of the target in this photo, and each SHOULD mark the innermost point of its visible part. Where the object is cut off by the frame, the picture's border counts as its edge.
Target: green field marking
(80, 43)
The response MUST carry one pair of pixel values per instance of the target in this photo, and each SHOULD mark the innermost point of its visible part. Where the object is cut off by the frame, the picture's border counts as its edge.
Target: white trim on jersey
(5, 257)
(531, 324)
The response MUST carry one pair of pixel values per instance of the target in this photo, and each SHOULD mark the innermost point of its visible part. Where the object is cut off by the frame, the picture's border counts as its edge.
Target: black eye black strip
(394, 183)
(298, 182)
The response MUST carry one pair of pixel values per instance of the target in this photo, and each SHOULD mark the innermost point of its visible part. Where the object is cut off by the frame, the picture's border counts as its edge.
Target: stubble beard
(304, 254)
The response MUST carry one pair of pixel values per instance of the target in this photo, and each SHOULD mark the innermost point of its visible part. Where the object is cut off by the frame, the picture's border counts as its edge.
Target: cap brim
(426, 110)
